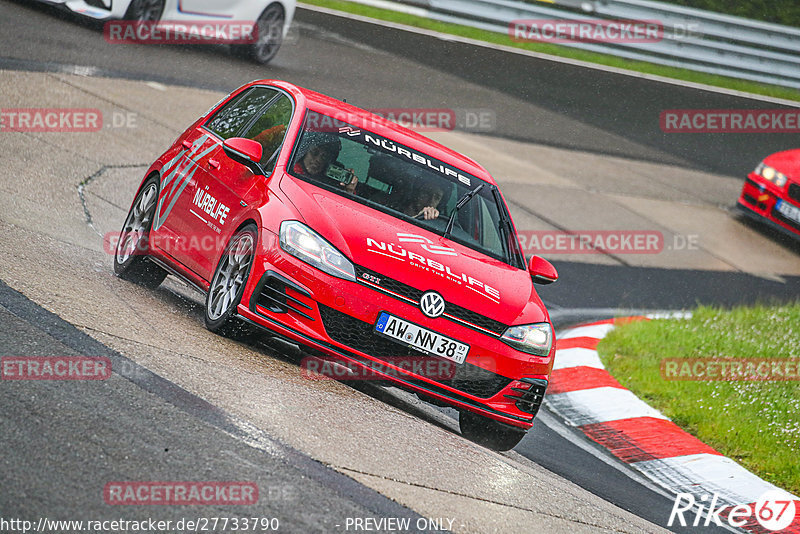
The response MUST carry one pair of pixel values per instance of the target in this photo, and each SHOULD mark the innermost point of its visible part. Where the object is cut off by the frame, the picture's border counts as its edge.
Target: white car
(273, 16)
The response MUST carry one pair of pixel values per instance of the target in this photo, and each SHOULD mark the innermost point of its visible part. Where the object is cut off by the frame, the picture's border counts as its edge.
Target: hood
(787, 162)
(417, 257)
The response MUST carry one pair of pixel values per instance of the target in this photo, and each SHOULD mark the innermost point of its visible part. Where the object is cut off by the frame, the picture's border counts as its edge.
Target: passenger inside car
(384, 177)
(270, 140)
(318, 160)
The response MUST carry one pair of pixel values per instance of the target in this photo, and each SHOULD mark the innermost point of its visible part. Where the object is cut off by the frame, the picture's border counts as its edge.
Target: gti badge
(431, 304)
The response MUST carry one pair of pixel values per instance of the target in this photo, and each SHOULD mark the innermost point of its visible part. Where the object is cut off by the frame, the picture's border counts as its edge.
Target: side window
(231, 119)
(270, 130)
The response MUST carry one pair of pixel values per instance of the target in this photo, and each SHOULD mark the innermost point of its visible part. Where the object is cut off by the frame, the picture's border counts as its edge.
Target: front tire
(130, 257)
(488, 432)
(227, 284)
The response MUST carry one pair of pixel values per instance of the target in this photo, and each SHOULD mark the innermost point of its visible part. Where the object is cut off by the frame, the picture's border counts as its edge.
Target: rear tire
(145, 10)
(130, 256)
(488, 432)
(270, 36)
(228, 282)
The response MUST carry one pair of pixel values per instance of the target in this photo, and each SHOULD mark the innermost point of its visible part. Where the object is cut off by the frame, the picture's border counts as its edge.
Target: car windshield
(402, 182)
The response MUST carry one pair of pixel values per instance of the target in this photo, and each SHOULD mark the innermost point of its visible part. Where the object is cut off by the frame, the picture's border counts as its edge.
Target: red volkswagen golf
(357, 238)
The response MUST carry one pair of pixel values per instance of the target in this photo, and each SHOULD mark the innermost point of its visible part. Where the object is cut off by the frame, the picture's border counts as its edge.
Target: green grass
(562, 51)
(755, 423)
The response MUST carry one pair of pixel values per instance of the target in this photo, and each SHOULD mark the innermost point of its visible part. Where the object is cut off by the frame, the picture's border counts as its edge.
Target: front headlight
(531, 338)
(771, 174)
(304, 243)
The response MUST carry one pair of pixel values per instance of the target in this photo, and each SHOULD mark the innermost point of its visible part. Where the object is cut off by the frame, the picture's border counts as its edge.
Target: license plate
(787, 210)
(420, 338)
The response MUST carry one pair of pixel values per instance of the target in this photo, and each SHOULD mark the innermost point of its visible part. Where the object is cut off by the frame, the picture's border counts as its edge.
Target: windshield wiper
(507, 230)
(460, 204)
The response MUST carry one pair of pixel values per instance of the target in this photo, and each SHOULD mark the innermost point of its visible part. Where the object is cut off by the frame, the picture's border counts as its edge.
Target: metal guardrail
(692, 39)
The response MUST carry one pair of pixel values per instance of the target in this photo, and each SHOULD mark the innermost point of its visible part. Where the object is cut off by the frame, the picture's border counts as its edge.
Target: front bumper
(759, 201)
(337, 317)
(92, 8)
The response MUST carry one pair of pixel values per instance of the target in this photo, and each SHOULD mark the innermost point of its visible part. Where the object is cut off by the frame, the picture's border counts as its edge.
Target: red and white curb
(586, 396)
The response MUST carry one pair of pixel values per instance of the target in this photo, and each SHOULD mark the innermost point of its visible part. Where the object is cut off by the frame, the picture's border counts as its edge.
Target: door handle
(187, 144)
(213, 163)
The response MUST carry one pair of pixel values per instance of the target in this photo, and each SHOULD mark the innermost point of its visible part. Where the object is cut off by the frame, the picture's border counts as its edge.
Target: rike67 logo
(774, 511)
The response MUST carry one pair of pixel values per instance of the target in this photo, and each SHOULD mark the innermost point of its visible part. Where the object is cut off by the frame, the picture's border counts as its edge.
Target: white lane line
(157, 86)
(600, 405)
(598, 331)
(577, 357)
(702, 474)
(557, 425)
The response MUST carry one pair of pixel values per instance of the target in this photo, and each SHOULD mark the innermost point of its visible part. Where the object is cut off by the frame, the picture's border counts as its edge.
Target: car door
(269, 129)
(172, 226)
(208, 205)
(233, 186)
(211, 9)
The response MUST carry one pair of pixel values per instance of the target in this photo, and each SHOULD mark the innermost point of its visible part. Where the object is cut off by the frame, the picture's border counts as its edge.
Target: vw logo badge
(431, 304)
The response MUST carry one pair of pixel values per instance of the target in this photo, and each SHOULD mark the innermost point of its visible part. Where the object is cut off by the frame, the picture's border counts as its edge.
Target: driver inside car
(418, 197)
(424, 202)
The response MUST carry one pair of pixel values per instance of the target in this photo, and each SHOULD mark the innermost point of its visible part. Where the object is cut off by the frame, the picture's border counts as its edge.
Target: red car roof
(378, 125)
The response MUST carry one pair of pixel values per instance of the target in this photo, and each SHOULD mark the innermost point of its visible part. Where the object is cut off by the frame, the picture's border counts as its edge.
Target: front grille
(469, 316)
(360, 336)
(794, 192)
(476, 318)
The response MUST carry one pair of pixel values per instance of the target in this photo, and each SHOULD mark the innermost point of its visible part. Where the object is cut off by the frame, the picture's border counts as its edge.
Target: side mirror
(542, 271)
(245, 151)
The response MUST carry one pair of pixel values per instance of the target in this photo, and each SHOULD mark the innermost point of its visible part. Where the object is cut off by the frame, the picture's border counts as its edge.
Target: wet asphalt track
(63, 442)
